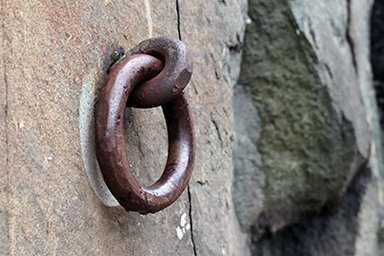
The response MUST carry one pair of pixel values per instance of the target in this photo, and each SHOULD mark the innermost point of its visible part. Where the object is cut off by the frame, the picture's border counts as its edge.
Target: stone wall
(284, 146)
(306, 81)
(56, 54)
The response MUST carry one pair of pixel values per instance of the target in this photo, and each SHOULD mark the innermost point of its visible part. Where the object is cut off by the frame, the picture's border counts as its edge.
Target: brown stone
(53, 49)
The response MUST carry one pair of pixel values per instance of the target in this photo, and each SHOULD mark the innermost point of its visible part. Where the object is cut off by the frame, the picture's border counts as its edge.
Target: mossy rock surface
(307, 145)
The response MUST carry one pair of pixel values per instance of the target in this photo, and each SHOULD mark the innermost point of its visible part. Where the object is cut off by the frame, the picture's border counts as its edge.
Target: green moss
(380, 236)
(306, 146)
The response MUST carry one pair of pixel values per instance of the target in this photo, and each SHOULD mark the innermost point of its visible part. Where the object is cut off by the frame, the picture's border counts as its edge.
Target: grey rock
(366, 241)
(214, 30)
(332, 232)
(248, 180)
(306, 67)
(47, 205)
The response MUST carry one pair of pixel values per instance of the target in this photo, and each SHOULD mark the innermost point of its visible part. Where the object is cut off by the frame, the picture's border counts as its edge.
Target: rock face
(305, 79)
(214, 30)
(290, 139)
(51, 53)
(332, 232)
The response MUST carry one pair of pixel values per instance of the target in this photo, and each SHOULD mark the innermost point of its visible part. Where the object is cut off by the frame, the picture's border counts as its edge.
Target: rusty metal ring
(111, 146)
(168, 84)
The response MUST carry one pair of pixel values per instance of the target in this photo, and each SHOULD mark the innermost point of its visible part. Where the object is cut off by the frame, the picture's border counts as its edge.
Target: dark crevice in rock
(348, 36)
(188, 188)
(191, 222)
(312, 32)
(329, 71)
(377, 53)
(178, 18)
(237, 46)
(202, 183)
(377, 61)
(329, 233)
(217, 129)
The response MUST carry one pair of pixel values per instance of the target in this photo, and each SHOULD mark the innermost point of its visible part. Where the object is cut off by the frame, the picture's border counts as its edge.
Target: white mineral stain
(183, 220)
(179, 233)
(248, 20)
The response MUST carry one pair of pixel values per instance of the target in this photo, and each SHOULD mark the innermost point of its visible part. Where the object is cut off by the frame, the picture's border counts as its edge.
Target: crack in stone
(217, 129)
(188, 188)
(349, 37)
(190, 220)
(178, 18)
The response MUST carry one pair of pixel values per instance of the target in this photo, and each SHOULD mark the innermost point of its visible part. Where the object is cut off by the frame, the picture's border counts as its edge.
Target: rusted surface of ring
(111, 145)
(168, 84)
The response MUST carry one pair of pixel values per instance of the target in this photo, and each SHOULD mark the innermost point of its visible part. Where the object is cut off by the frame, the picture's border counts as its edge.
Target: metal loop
(111, 145)
(168, 84)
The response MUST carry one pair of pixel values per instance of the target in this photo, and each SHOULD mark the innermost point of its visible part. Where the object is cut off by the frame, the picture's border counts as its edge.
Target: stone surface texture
(306, 80)
(214, 30)
(332, 232)
(53, 49)
(4, 214)
(50, 52)
(285, 145)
